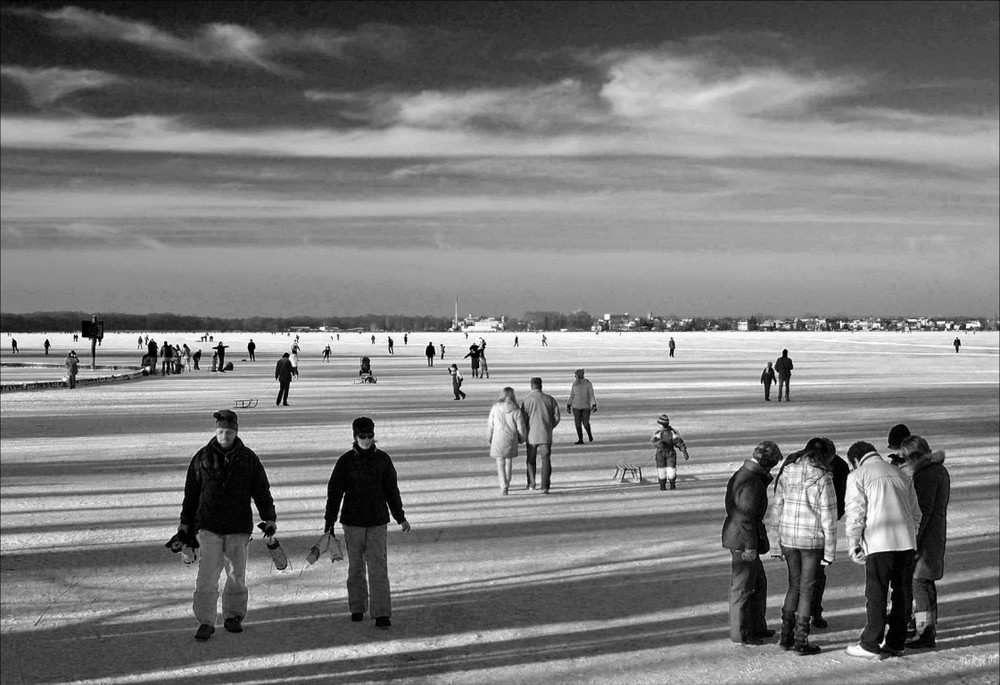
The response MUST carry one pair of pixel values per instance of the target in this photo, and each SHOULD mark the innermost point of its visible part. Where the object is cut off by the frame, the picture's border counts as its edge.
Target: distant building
(482, 324)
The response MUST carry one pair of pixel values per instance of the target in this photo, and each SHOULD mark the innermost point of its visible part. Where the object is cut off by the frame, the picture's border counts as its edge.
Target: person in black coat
(744, 534)
(283, 374)
(222, 479)
(363, 490)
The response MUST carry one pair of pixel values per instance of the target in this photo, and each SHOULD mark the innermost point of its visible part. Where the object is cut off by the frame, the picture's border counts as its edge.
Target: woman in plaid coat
(804, 514)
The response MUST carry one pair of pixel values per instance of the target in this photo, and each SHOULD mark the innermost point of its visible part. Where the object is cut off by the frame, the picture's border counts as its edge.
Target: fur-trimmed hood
(912, 466)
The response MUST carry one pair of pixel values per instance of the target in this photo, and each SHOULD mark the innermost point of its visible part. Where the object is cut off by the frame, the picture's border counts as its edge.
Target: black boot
(787, 639)
(673, 483)
(663, 484)
(802, 646)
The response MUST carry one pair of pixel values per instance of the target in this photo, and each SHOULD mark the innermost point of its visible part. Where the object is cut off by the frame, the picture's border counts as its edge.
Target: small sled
(625, 469)
(365, 378)
(245, 404)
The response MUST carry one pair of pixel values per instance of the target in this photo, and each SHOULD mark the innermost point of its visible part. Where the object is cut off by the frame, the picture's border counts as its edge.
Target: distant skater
(13, 346)
(326, 353)
(373, 340)
(429, 353)
(767, 378)
(390, 344)
(72, 368)
(283, 374)
(672, 345)
(784, 368)
(294, 359)
(456, 381)
(515, 341)
(221, 349)
(957, 344)
(545, 340)
(251, 347)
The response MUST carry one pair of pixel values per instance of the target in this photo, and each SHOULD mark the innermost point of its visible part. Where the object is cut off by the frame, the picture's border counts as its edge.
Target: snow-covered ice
(600, 582)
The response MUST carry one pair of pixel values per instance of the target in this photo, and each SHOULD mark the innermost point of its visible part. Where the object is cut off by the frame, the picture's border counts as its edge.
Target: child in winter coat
(456, 381)
(667, 442)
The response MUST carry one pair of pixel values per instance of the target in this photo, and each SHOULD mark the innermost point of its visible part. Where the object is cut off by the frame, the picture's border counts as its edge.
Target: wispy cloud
(48, 85)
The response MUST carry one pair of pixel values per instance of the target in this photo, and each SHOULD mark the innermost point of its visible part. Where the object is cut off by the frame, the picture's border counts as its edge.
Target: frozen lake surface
(600, 582)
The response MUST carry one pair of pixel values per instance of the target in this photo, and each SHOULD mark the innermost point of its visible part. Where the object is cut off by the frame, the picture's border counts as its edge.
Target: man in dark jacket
(784, 368)
(745, 536)
(222, 478)
(364, 480)
(283, 374)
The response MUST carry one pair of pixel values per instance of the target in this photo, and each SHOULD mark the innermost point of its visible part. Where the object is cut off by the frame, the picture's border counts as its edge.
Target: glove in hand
(269, 528)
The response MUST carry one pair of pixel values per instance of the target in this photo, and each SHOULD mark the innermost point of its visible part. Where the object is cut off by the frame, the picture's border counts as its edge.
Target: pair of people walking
(216, 522)
(532, 423)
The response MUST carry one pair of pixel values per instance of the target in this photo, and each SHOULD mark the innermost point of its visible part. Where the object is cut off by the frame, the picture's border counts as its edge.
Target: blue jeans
(543, 453)
(218, 552)
(803, 566)
(367, 570)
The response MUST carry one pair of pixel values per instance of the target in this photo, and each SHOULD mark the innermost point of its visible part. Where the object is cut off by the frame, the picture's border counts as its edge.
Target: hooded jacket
(219, 487)
(746, 504)
(365, 481)
(933, 486)
(804, 510)
(507, 429)
(883, 513)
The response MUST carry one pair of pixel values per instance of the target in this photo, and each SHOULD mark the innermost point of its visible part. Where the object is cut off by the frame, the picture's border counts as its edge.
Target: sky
(686, 158)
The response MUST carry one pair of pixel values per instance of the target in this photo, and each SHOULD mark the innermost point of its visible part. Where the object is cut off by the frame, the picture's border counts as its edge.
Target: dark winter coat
(746, 504)
(283, 371)
(219, 488)
(366, 484)
(784, 367)
(933, 485)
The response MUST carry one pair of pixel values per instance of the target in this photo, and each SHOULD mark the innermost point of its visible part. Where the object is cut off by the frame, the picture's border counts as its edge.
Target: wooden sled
(245, 404)
(632, 471)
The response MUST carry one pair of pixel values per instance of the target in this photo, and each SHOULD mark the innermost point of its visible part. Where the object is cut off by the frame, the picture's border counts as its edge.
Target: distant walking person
(581, 403)
(545, 340)
(667, 441)
(541, 412)
(429, 353)
(373, 340)
(882, 519)
(745, 536)
(251, 346)
(294, 359)
(673, 346)
(957, 344)
(767, 378)
(13, 346)
(784, 368)
(221, 349)
(72, 368)
(363, 490)
(507, 430)
(46, 345)
(283, 374)
(140, 343)
(456, 381)
(442, 351)
(222, 478)
(515, 341)
(933, 486)
(390, 344)
(326, 353)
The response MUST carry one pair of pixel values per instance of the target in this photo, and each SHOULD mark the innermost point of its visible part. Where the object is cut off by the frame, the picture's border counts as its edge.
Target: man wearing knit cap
(222, 478)
(364, 482)
(541, 412)
(581, 403)
(882, 517)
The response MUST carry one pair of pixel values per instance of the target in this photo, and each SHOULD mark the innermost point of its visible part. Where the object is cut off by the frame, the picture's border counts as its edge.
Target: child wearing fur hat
(668, 441)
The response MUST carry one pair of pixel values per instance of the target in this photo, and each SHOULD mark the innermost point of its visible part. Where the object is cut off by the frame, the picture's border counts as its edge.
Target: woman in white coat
(507, 430)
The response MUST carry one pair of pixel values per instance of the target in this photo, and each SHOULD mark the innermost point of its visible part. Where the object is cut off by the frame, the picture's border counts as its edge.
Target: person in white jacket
(581, 403)
(882, 517)
(507, 431)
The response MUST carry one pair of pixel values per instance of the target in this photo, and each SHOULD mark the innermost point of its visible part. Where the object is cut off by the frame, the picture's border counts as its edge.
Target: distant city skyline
(699, 159)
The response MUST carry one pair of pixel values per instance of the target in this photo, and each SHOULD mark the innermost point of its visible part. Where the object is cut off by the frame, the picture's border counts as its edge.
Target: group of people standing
(896, 526)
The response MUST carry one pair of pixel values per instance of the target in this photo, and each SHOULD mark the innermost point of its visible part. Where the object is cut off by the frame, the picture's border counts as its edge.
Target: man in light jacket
(882, 517)
(581, 403)
(541, 411)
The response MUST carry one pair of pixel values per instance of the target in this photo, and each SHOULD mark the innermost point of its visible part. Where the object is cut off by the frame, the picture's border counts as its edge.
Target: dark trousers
(885, 570)
(767, 391)
(252, 358)
(818, 589)
(581, 419)
(802, 567)
(747, 598)
(783, 383)
(542, 455)
(282, 393)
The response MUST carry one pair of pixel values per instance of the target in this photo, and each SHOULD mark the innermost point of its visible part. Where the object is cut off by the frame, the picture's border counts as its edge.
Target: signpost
(94, 330)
